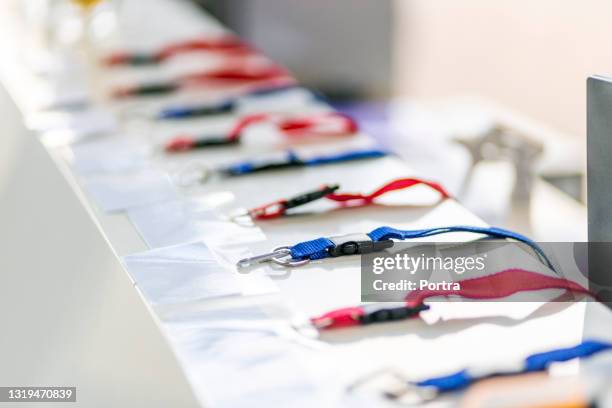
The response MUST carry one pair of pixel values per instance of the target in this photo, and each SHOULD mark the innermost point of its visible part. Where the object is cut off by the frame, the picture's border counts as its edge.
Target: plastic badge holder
(115, 155)
(233, 368)
(120, 192)
(189, 273)
(180, 274)
(182, 221)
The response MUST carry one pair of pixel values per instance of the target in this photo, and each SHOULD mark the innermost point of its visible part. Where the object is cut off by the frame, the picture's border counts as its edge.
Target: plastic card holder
(180, 274)
(237, 367)
(108, 155)
(181, 221)
(189, 273)
(116, 192)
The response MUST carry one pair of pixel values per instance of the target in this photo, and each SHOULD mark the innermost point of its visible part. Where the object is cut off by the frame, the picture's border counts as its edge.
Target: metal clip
(280, 256)
(192, 173)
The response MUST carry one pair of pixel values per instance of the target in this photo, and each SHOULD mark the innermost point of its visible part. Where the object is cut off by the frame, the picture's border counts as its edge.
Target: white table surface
(253, 355)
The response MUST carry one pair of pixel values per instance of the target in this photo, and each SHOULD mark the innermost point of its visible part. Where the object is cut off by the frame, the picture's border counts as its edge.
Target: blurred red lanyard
(226, 44)
(279, 208)
(498, 285)
(229, 74)
(317, 124)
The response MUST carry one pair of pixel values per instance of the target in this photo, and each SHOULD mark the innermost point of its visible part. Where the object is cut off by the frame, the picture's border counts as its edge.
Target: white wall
(533, 56)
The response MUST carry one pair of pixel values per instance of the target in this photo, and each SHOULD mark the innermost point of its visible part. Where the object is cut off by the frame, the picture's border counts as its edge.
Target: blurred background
(487, 97)
(437, 80)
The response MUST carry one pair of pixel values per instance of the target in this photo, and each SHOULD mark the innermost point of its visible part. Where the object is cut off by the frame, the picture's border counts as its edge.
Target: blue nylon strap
(249, 166)
(189, 111)
(221, 107)
(315, 249)
(535, 362)
(383, 233)
(346, 156)
(319, 250)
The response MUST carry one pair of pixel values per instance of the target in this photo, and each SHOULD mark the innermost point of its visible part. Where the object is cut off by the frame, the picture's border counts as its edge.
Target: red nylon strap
(395, 185)
(276, 208)
(500, 285)
(326, 124)
(245, 122)
(236, 73)
(336, 319)
(269, 211)
(495, 286)
(180, 144)
(320, 124)
(224, 44)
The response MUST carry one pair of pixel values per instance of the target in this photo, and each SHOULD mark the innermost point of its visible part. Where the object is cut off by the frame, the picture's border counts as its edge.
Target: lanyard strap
(535, 362)
(292, 160)
(337, 246)
(319, 124)
(280, 207)
(225, 106)
(235, 73)
(224, 44)
(495, 286)
(500, 285)
(230, 74)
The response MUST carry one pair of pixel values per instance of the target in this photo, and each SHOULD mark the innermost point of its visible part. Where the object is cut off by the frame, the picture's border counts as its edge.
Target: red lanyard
(280, 207)
(319, 124)
(227, 44)
(235, 73)
(495, 286)
(240, 74)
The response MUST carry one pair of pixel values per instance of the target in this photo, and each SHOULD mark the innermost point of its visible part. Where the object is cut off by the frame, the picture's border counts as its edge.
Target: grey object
(599, 158)
(504, 143)
(342, 47)
(599, 175)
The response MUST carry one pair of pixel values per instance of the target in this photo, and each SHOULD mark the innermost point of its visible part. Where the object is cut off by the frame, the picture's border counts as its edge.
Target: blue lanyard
(535, 362)
(228, 105)
(183, 112)
(380, 238)
(292, 160)
(374, 241)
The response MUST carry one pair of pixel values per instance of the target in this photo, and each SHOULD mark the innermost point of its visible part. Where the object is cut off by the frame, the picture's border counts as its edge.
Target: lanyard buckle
(280, 256)
(353, 244)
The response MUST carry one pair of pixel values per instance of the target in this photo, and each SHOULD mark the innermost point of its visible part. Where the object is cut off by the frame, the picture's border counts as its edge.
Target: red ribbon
(277, 208)
(319, 124)
(236, 73)
(498, 285)
(395, 185)
(228, 44)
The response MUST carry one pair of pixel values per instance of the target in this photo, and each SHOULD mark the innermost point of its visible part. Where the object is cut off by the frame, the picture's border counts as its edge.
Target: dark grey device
(599, 179)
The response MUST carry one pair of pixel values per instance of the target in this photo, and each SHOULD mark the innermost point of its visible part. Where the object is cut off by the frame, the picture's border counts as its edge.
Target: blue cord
(318, 248)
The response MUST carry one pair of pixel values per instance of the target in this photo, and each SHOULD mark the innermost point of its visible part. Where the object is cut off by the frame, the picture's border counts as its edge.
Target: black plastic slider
(311, 196)
(381, 314)
(214, 141)
(354, 244)
(156, 89)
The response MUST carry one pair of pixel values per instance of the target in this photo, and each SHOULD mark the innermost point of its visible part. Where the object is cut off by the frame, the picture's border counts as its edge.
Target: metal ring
(243, 219)
(192, 173)
(284, 257)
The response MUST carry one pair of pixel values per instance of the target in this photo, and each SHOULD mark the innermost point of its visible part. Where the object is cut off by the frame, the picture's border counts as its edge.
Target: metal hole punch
(280, 256)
